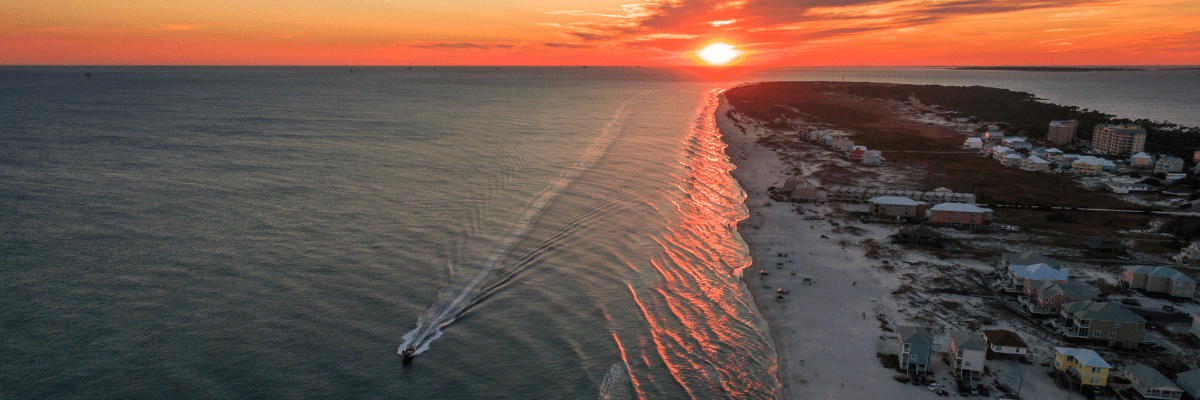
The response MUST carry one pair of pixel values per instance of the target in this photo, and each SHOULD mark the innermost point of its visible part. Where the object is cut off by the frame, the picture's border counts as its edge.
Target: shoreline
(826, 335)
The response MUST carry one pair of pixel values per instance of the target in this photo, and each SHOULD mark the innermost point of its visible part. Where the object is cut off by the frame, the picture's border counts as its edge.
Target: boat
(408, 354)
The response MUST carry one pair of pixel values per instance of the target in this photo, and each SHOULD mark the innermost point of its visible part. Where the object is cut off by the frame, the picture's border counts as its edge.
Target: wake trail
(452, 302)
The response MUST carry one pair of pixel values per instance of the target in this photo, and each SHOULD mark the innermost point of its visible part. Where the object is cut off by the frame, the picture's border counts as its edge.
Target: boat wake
(616, 383)
(452, 302)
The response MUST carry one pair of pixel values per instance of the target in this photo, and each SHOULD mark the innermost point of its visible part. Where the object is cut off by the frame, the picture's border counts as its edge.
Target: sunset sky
(599, 32)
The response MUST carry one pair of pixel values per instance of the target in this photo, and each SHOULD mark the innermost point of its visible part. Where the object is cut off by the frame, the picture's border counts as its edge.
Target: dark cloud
(463, 45)
(757, 21)
(568, 45)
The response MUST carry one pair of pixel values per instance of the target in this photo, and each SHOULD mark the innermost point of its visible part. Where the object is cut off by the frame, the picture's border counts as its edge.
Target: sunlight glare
(718, 53)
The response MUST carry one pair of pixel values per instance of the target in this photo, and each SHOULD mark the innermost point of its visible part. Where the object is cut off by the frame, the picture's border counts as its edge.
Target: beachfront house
(1014, 161)
(857, 153)
(1017, 143)
(897, 208)
(969, 352)
(1054, 155)
(916, 347)
(1007, 260)
(814, 135)
(1190, 382)
(1089, 165)
(1158, 280)
(872, 157)
(1168, 164)
(1104, 321)
(1047, 297)
(1085, 366)
(960, 214)
(1151, 384)
(1141, 160)
(1102, 245)
(993, 136)
(1021, 276)
(1000, 152)
(1188, 255)
(827, 140)
(1004, 344)
(809, 192)
(1035, 164)
(843, 143)
(973, 143)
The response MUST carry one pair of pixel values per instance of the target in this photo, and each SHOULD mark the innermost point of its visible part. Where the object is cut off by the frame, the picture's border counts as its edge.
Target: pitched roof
(895, 200)
(1037, 160)
(1150, 378)
(1159, 272)
(964, 340)
(1028, 258)
(1038, 271)
(1190, 379)
(974, 140)
(1102, 311)
(915, 335)
(1086, 358)
(959, 207)
(1002, 337)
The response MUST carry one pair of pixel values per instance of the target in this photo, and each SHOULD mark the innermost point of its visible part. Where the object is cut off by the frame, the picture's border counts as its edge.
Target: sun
(718, 53)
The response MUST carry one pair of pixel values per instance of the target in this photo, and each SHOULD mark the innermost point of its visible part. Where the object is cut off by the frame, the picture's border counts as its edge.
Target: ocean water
(280, 232)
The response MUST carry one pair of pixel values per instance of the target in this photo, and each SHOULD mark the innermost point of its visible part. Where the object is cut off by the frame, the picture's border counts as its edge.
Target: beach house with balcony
(857, 152)
(1053, 155)
(1089, 165)
(1007, 260)
(872, 157)
(1014, 161)
(1004, 344)
(1141, 160)
(969, 352)
(1035, 164)
(993, 136)
(843, 143)
(1085, 366)
(960, 214)
(1103, 321)
(1168, 164)
(1000, 152)
(973, 143)
(1020, 277)
(1164, 280)
(827, 140)
(897, 208)
(1047, 297)
(1151, 384)
(916, 348)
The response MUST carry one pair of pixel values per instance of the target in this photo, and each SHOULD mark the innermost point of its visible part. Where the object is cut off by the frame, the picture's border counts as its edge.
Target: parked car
(934, 386)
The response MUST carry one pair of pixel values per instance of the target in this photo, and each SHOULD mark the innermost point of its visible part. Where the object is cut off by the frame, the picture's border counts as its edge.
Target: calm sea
(549, 233)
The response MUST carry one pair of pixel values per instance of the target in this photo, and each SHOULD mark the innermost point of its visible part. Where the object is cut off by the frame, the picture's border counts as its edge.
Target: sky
(599, 32)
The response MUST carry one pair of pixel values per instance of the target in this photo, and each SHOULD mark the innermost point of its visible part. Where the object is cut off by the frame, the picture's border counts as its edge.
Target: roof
(1159, 272)
(1029, 257)
(1190, 379)
(1150, 378)
(1054, 151)
(895, 200)
(915, 335)
(1013, 156)
(1105, 311)
(959, 207)
(1038, 271)
(1038, 160)
(1061, 122)
(1002, 337)
(974, 139)
(1086, 358)
(1091, 160)
(964, 340)
(1141, 155)
(1075, 290)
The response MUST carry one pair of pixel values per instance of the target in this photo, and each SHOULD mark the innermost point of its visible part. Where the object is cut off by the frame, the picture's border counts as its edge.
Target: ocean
(281, 232)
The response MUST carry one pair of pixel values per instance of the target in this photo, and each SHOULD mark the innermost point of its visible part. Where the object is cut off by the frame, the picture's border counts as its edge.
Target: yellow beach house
(1085, 365)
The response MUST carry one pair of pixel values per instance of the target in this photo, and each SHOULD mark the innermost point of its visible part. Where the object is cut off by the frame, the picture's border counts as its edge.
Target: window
(1095, 380)
(913, 357)
(1112, 335)
(1116, 325)
(1095, 370)
(1053, 310)
(999, 348)
(1096, 334)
